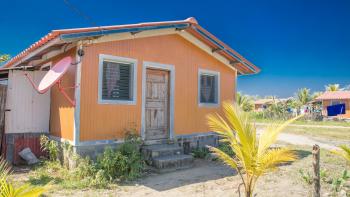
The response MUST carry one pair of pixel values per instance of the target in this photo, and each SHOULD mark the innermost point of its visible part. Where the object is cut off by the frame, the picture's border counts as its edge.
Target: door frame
(165, 67)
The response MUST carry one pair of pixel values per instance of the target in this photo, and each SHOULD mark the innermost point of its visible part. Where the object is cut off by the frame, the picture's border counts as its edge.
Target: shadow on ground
(302, 153)
(201, 172)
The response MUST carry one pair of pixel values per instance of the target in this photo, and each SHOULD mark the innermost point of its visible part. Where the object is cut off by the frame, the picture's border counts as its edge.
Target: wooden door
(157, 105)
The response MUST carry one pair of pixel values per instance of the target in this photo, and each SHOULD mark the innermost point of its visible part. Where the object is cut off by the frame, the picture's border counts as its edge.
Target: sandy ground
(210, 178)
(205, 179)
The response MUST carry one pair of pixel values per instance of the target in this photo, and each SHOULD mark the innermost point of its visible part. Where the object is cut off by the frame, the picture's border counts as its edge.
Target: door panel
(157, 104)
(29, 111)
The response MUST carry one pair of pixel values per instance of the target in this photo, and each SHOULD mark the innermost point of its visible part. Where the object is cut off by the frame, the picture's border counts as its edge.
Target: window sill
(112, 102)
(211, 105)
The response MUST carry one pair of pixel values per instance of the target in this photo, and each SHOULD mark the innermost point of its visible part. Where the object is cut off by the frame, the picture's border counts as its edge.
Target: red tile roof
(57, 33)
(338, 95)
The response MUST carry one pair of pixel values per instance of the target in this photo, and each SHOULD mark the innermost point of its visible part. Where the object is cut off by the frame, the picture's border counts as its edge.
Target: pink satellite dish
(53, 76)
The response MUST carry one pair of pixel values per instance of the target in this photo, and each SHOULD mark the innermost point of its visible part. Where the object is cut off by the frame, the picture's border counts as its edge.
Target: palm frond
(269, 136)
(7, 190)
(343, 152)
(5, 168)
(218, 124)
(274, 157)
(224, 157)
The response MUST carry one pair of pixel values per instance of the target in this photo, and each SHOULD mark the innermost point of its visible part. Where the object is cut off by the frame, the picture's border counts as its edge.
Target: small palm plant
(8, 190)
(343, 152)
(253, 157)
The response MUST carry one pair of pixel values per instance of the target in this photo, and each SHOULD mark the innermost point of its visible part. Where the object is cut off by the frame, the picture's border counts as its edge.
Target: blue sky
(296, 43)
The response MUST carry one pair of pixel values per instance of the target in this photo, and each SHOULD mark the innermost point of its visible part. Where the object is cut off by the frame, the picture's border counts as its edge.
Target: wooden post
(316, 168)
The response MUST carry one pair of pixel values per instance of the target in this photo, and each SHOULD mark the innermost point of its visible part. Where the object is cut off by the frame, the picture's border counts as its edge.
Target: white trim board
(76, 134)
(111, 58)
(171, 69)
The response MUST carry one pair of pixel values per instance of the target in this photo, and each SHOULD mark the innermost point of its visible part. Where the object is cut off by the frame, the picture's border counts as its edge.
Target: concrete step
(172, 162)
(159, 150)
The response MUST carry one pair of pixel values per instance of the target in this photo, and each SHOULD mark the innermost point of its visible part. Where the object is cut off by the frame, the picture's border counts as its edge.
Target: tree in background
(303, 96)
(346, 88)
(4, 57)
(316, 94)
(332, 87)
(244, 102)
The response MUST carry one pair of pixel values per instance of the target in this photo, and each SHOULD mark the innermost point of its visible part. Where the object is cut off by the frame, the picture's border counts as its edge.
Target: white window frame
(217, 75)
(117, 59)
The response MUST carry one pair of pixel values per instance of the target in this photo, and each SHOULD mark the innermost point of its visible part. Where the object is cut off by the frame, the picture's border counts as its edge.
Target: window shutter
(208, 88)
(117, 81)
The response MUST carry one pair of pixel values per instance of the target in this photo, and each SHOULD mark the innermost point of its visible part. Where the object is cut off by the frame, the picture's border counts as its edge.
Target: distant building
(336, 103)
(262, 104)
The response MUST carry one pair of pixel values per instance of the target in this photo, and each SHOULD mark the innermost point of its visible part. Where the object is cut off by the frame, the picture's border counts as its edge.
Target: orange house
(159, 78)
(331, 98)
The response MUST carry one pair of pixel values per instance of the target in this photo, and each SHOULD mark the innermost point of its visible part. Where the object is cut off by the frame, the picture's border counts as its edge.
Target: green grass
(303, 122)
(327, 133)
(340, 134)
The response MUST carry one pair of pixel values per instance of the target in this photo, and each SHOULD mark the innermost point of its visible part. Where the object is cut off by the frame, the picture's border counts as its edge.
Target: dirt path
(205, 179)
(302, 140)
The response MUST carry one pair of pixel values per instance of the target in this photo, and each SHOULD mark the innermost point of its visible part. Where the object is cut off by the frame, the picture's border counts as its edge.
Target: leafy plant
(226, 148)
(253, 157)
(306, 177)
(51, 146)
(324, 175)
(200, 152)
(125, 162)
(338, 183)
(85, 168)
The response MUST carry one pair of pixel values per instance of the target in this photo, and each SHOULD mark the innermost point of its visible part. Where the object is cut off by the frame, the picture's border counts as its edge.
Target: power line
(80, 13)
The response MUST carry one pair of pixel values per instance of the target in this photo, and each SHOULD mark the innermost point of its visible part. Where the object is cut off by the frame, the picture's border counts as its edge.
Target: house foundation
(16, 142)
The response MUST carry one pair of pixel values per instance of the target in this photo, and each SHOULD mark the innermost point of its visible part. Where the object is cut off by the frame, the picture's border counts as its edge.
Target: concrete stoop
(166, 157)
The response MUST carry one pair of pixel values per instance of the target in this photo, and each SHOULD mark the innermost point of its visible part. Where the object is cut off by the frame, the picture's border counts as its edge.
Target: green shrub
(123, 163)
(201, 153)
(85, 168)
(225, 147)
(50, 146)
(108, 161)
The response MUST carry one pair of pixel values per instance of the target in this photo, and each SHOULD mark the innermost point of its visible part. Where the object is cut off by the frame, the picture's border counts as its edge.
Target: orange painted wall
(327, 103)
(62, 112)
(108, 121)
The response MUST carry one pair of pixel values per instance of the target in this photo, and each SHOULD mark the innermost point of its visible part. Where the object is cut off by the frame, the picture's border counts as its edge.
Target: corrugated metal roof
(244, 65)
(339, 95)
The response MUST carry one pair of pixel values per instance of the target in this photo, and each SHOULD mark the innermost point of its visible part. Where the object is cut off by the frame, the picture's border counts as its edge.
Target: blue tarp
(334, 110)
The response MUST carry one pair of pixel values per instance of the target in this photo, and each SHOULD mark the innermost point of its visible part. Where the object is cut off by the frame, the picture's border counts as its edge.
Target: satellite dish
(53, 76)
